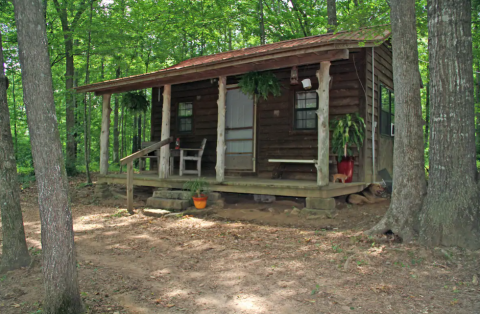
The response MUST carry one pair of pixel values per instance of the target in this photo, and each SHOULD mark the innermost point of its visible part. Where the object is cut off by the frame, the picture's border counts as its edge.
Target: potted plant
(197, 188)
(348, 130)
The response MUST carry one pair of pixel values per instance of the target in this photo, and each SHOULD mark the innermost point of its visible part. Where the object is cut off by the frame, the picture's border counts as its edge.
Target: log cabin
(275, 146)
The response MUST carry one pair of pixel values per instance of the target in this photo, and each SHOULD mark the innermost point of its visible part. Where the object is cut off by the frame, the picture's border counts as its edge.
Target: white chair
(197, 156)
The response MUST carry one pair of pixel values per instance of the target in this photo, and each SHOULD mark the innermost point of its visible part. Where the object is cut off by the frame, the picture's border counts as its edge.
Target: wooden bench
(278, 171)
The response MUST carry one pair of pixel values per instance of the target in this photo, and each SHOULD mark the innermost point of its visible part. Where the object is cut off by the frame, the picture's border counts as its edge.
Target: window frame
(390, 115)
(180, 118)
(295, 110)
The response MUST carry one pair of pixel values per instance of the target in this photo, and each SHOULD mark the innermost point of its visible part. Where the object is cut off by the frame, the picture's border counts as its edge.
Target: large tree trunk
(409, 186)
(451, 210)
(261, 22)
(332, 15)
(116, 145)
(58, 248)
(14, 248)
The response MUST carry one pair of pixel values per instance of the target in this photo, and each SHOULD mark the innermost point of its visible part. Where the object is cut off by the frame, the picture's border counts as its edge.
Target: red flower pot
(200, 202)
(346, 167)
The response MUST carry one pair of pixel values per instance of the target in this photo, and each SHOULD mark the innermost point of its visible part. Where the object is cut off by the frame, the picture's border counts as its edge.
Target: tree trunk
(261, 22)
(323, 92)
(221, 103)
(70, 106)
(451, 210)
(85, 117)
(15, 133)
(58, 249)
(332, 15)
(427, 116)
(409, 186)
(116, 153)
(14, 249)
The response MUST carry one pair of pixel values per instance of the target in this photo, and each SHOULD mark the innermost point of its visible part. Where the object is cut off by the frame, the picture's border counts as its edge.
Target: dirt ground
(245, 258)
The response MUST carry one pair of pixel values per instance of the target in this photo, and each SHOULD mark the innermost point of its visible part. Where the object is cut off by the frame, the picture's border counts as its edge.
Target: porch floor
(247, 185)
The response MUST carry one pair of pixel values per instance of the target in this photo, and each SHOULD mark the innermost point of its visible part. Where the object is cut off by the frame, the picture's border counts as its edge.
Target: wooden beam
(222, 96)
(104, 136)
(164, 167)
(323, 75)
(130, 187)
(230, 69)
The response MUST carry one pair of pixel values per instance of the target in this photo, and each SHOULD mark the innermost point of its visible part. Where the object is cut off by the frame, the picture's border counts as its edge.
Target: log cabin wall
(383, 143)
(276, 134)
(203, 95)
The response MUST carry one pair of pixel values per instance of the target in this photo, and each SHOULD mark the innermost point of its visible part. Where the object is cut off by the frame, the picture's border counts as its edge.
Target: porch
(246, 185)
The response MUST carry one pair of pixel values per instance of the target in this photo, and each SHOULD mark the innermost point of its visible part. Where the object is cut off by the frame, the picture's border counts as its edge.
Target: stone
(174, 195)
(214, 196)
(295, 211)
(155, 212)
(320, 203)
(163, 203)
(174, 215)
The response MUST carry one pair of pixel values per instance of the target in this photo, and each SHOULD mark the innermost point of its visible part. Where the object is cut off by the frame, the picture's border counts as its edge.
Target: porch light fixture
(307, 84)
(294, 76)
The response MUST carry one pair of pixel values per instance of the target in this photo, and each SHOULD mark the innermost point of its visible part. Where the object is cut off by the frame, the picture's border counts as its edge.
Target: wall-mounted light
(307, 84)
(294, 76)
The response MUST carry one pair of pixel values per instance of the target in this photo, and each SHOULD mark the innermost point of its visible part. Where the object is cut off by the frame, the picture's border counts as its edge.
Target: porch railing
(129, 162)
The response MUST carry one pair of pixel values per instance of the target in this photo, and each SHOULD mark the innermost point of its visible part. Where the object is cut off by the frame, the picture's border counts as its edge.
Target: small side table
(173, 153)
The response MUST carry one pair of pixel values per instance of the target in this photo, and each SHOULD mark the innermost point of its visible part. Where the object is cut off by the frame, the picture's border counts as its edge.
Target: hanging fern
(135, 102)
(347, 130)
(259, 84)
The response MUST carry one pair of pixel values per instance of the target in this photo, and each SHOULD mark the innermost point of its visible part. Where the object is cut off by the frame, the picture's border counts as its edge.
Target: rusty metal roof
(373, 34)
(365, 37)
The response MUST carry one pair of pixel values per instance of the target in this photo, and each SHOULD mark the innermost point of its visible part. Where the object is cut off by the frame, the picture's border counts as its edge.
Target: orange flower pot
(200, 202)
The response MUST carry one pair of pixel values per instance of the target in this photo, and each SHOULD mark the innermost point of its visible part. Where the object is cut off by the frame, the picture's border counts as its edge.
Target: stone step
(163, 203)
(156, 212)
(174, 195)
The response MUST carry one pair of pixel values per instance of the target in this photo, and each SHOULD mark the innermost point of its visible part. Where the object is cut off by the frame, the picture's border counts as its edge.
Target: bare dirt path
(248, 258)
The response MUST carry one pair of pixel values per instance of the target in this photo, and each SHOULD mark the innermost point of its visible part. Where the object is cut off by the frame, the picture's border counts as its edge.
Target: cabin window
(387, 112)
(306, 104)
(185, 117)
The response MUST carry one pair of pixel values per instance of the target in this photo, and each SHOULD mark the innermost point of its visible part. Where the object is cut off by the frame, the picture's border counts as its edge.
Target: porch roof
(307, 50)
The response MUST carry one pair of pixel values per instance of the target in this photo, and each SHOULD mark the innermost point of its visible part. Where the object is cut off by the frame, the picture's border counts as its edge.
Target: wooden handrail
(129, 161)
(145, 151)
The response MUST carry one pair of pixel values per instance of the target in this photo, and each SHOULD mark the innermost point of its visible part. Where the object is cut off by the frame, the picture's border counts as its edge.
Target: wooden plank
(104, 136)
(145, 151)
(130, 187)
(323, 75)
(221, 147)
(165, 150)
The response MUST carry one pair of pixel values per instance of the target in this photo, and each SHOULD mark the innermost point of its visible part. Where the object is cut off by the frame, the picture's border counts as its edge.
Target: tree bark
(85, 117)
(116, 145)
(332, 15)
(221, 103)
(165, 150)
(105, 135)
(261, 22)
(58, 248)
(451, 210)
(409, 186)
(14, 247)
(323, 91)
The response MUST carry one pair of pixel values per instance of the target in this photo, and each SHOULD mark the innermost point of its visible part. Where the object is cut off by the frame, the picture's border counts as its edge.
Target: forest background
(92, 41)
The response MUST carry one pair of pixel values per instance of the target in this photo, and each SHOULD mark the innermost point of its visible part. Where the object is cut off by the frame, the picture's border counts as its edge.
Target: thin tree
(68, 27)
(14, 246)
(85, 117)
(58, 248)
(332, 15)
(451, 212)
(409, 186)
(116, 133)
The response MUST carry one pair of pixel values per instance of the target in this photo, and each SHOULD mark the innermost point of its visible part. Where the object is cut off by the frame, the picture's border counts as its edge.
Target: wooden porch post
(104, 136)
(222, 93)
(323, 75)
(165, 150)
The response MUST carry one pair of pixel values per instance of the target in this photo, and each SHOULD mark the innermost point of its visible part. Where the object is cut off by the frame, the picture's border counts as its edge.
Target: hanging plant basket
(259, 84)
